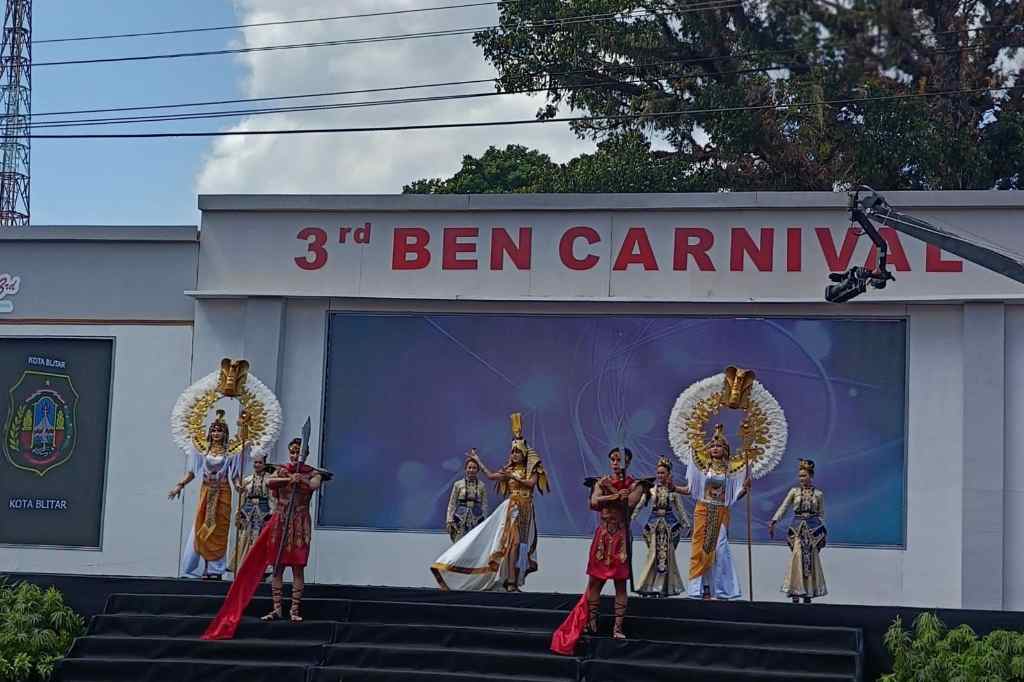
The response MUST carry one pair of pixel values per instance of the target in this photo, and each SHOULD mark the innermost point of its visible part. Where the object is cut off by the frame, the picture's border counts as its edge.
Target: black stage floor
(147, 629)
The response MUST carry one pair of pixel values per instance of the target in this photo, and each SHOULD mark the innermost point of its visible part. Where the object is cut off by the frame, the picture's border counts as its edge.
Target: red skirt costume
(609, 560)
(264, 551)
(609, 550)
(300, 531)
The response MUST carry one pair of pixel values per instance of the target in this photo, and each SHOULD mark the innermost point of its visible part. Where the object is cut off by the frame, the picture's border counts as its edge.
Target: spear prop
(290, 511)
(750, 542)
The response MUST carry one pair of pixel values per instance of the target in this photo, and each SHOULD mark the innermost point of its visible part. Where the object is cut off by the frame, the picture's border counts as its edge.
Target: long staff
(243, 419)
(750, 541)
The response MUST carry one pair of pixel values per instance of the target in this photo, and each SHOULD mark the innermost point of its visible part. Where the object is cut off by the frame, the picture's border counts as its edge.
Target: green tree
(622, 163)
(513, 169)
(934, 653)
(36, 629)
(778, 93)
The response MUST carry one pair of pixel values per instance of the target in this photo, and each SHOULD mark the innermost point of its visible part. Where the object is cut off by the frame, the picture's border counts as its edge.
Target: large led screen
(407, 395)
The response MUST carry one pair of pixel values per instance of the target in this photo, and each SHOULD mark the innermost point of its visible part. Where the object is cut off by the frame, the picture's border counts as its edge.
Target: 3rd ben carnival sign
(40, 430)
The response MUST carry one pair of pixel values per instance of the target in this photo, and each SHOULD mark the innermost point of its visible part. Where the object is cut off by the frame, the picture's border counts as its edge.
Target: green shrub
(934, 653)
(36, 629)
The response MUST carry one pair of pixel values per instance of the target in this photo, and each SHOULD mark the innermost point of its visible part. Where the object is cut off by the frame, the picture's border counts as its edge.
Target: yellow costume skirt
(707, 523)
(213, 521)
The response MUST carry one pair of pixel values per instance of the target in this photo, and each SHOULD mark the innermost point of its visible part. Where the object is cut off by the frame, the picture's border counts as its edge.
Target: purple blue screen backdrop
(408, 395)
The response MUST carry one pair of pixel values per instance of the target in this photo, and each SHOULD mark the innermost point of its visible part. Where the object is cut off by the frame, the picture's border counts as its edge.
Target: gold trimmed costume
(467, 507)
(806, 537)
(666, 525)
(257, 504)
(480, 560)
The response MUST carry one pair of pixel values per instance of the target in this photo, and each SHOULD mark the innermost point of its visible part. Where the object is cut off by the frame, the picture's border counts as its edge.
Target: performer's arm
(744, 490)
(597, 499)
(821, 505)
(529, 482)
(638, 508)
(680, 511)
(176, 490)
(636, 493)
(780, 513)
(499, 475)
(314, 481)
(450, 514)
(483, 499)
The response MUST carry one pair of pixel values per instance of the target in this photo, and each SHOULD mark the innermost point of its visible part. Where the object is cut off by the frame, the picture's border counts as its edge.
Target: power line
(191, 116)
(555, 23)
(476, 81)
(345, 105)
(261, 24)
(529, 121)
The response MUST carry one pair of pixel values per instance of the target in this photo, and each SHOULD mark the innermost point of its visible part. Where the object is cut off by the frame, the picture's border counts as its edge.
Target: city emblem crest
(41, 427)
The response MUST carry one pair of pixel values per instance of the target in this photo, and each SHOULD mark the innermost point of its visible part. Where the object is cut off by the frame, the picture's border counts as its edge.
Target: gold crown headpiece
(807, 465)
(719, 439)
(231, 380)
(518, 442)
(218, 421)
(665, 462)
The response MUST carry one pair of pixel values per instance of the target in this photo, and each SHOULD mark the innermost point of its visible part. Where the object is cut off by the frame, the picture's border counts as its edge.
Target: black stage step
(381, 634)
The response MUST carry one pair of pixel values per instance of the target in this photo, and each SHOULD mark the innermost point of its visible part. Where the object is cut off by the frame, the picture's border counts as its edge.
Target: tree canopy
(763, 94)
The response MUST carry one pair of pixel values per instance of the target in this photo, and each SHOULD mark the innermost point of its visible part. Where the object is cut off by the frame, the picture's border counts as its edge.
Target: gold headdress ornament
(218, 421)
(533, 463)
(259, 412)
(233, 373)
(720, 440)
(664, 462)
(807, 465)
(762, 431)
(738, 383)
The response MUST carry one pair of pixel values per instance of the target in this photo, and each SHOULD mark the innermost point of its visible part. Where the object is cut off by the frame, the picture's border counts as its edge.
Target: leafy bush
(933, 653)
(36, 629)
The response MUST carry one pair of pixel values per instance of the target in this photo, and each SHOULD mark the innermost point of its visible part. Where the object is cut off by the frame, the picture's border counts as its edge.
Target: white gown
(207, 467)
(724, 582)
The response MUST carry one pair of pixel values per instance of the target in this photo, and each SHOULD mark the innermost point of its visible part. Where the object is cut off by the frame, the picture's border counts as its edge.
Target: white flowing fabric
(466, 565)
(210, 467)
(724, 582)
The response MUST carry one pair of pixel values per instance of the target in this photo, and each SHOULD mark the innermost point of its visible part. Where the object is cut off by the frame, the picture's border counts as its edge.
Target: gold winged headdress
(762, 432)
(259, 419)
(533, 463)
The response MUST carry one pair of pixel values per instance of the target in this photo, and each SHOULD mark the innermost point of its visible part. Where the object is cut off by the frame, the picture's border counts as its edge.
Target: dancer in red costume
(291, 520)
(614, 498)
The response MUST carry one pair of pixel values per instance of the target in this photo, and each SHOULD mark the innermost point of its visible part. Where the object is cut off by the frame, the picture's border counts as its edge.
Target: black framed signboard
(55, 412)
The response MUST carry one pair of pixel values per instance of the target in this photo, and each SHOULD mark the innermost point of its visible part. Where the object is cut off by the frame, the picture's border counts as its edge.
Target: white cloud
(366, 162)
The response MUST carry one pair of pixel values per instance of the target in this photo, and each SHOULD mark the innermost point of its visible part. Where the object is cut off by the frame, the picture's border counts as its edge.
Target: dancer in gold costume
(667, 524)
(712, 573)
(503, 549)
(806, 536)
(257, 504)
(467, 505)
(217, 468)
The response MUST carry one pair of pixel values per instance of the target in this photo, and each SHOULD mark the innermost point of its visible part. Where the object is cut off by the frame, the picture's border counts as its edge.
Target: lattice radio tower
(16, 107)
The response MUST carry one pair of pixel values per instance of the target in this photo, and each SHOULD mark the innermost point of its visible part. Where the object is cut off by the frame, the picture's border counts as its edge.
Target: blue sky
(153, 182)
(123, 182)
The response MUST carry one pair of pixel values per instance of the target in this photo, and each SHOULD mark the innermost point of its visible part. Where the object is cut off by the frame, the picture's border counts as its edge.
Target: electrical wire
(443, 33)
(262, 24)
(153, 118)
(476, 81)
(190, 116)
(514, 122)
